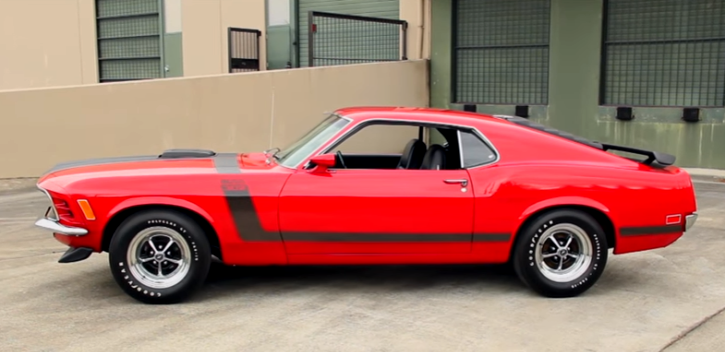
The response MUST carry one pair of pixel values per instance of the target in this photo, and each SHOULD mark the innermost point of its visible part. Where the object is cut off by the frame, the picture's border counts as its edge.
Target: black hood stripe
(174, 154)
(101, 161)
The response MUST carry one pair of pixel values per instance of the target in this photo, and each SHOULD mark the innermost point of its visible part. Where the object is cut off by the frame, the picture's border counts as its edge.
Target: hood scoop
(186, 153)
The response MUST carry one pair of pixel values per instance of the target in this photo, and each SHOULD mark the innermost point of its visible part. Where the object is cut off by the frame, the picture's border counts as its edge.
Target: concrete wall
(574, 74)
(45, 43)
(239, 112)
(418, 15)
(205, 25)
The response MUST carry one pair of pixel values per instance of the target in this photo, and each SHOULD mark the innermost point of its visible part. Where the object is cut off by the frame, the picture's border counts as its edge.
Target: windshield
(299, 150)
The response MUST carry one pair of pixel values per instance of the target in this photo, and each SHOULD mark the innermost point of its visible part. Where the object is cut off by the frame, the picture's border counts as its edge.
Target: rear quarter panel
(632, 198)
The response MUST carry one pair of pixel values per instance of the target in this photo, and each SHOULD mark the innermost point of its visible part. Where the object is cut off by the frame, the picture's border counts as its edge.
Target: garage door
(389, 9)
(502, 51)
(129, 40)
(664, 53)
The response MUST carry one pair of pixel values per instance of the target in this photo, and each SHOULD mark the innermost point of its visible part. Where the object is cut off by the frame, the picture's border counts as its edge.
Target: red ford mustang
(482, 189)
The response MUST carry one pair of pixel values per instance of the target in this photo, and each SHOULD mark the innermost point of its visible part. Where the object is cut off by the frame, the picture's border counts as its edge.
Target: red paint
(536, 171)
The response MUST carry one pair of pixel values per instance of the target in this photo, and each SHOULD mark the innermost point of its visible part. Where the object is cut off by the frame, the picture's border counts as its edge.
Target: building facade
(646, 73)
(51, 43)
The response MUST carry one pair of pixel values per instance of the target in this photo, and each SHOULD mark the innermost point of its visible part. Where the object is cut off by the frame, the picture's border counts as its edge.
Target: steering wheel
(342, 162)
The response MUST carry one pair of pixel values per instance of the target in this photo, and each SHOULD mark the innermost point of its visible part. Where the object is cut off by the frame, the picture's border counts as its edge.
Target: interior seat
(435, 158)
(412, 157)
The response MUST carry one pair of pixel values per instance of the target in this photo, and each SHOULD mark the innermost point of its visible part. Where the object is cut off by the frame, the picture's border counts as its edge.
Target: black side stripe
(392, 237)
(236, 192)
(650, 230)
(249, 228)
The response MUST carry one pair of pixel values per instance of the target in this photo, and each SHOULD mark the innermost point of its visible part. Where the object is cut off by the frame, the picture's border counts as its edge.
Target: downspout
(423, 7)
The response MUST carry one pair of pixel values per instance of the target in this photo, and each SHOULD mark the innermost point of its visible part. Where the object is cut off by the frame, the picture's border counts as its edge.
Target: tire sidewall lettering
(594, 236)
(128, 277)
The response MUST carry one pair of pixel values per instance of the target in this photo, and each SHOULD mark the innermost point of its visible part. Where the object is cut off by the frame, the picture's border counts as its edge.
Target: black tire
(527, 253)
(189, 242)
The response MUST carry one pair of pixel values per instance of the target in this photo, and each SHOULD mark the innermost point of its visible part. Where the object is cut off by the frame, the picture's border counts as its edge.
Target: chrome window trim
(416, 122)
(307, 158)
(460, 148)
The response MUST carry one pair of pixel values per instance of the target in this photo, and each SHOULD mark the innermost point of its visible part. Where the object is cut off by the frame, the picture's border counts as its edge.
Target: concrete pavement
(643, 302)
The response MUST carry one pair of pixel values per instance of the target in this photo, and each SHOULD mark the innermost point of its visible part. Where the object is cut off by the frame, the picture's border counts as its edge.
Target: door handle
(463, 182)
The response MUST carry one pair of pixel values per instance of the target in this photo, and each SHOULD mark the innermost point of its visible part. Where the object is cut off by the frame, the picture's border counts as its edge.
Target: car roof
(417, 113)
(485, 121)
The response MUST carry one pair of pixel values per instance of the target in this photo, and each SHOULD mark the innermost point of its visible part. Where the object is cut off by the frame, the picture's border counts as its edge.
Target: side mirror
(324, 161)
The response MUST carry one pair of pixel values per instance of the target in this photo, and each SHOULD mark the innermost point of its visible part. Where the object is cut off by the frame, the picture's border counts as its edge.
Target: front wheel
(561, 253)
(159, 256)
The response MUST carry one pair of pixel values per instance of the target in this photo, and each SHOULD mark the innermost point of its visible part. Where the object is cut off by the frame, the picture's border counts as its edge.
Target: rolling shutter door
(664, 53)
(129, 40)
(389, 9)
(502, 52)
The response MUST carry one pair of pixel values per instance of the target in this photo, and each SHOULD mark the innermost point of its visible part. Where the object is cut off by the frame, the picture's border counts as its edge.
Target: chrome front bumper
(53, 225)
(690, 221)
(57, 227)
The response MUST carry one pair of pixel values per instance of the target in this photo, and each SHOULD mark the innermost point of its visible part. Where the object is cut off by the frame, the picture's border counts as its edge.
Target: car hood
(171, 162)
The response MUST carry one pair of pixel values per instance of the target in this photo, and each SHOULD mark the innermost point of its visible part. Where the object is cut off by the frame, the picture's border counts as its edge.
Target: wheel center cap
(159, 257)
(563, 252)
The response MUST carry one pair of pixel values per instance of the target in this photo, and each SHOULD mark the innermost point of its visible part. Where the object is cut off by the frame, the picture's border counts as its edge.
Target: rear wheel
(562, 253)
(159, 256)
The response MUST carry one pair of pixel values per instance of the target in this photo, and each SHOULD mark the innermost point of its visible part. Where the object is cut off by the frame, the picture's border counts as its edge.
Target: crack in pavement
(691, 329)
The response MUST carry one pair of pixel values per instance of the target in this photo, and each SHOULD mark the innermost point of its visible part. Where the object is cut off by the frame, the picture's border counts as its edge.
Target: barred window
(502, 51)
(129, 40)
(664, 53)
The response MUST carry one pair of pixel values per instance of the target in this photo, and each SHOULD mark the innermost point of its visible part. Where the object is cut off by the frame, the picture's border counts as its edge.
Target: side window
(474, 151)
(378, 139)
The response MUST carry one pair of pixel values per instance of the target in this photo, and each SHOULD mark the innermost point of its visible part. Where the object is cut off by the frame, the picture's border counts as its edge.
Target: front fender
(170, 201)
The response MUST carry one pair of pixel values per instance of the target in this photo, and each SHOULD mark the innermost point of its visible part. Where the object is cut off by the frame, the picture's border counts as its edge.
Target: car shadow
(229, 281)
(348, 280)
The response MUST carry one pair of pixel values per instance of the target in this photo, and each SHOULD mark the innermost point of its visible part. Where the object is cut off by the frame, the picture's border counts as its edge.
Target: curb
(707, 175)
(705, 172)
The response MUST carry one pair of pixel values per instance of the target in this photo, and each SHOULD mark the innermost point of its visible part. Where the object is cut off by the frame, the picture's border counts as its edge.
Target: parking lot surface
(669, 299)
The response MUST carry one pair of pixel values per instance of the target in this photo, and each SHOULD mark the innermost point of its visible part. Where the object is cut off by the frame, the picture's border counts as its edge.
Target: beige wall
(205, 24)
(244, 112)
(45, 43)
(417, 13)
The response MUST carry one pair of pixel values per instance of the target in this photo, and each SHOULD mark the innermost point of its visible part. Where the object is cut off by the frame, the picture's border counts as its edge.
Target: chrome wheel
(563, 252)
(159, 257)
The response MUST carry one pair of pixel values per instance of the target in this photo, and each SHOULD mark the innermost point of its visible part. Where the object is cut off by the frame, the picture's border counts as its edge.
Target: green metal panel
(389, 9)
(130, 43)
(280, 39)
(440, 50)
(173, 55)
(279, 47)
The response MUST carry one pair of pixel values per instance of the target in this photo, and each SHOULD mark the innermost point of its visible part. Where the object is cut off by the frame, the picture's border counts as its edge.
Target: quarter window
(474, 151)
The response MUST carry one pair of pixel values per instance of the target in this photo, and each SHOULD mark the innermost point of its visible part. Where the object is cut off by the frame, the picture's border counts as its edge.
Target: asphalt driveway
(663, 299)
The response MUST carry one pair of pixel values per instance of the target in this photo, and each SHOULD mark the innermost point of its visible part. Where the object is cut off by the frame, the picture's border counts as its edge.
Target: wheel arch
(124, 213)
(599, 212)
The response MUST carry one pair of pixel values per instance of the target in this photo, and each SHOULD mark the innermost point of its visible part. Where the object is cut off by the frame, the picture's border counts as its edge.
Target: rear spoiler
(660, 158)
